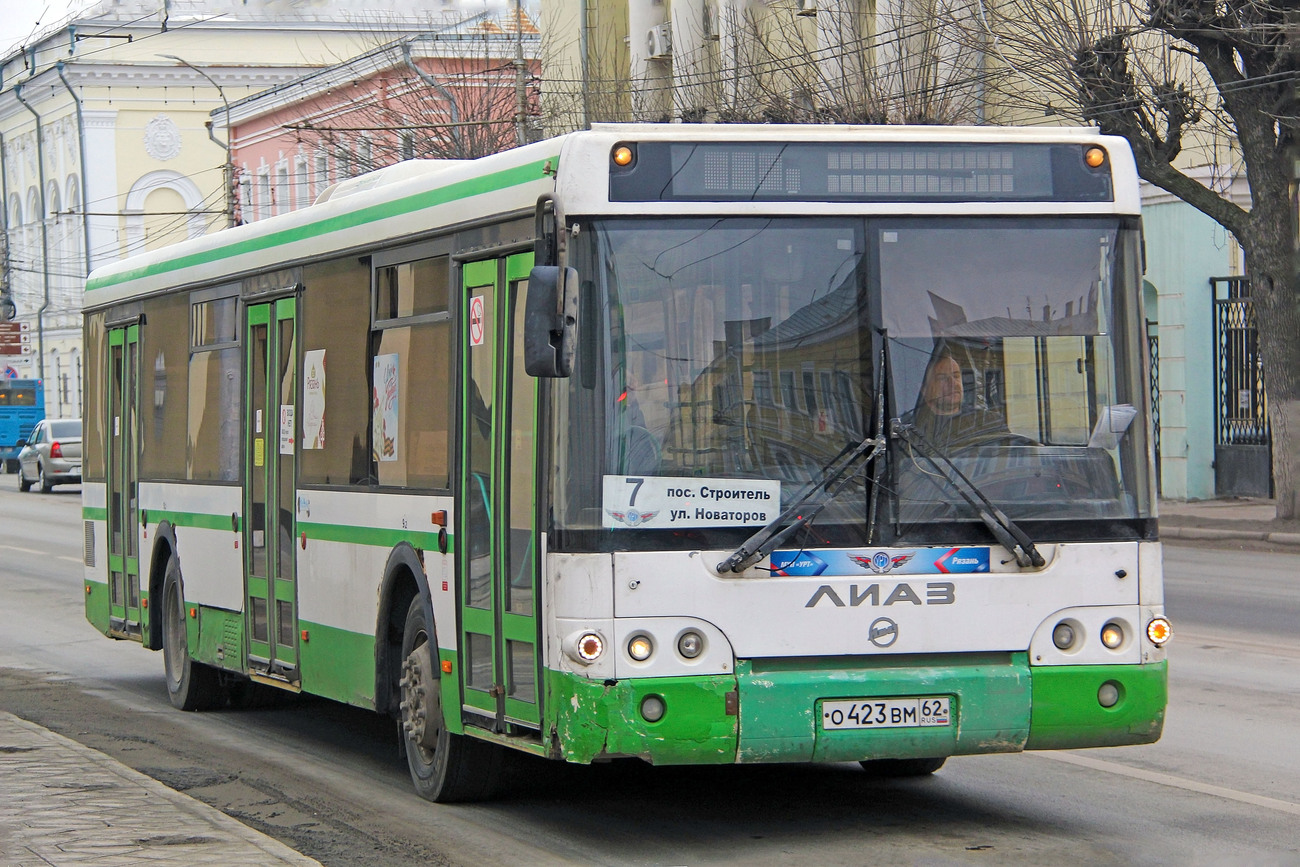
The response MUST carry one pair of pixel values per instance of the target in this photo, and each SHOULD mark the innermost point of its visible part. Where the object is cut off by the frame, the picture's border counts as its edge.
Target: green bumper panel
(1067, 714)
(599, 720)
(780, 706)
(997, 702)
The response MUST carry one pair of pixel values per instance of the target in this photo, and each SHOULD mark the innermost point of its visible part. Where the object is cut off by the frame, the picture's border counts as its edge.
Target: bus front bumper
(773, 710)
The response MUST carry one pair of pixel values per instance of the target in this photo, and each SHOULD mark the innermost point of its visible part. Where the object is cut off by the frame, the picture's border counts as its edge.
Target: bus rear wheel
(894, 768)
(190, 685)
(445, 767)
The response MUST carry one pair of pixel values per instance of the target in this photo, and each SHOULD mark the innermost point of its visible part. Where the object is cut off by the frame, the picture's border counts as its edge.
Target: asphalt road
(1222, 786)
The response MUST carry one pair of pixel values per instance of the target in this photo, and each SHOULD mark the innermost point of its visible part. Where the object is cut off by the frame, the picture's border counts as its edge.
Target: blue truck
(22, 405)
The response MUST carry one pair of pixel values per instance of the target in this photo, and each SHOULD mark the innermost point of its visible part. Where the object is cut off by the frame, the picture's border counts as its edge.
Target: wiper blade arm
(1007, 532)
(780, 528)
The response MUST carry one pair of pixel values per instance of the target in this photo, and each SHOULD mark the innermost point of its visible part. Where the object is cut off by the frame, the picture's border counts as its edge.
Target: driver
(941, 414)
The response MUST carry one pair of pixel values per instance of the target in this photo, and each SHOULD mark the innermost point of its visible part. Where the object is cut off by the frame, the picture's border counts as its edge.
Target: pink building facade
(464, 91)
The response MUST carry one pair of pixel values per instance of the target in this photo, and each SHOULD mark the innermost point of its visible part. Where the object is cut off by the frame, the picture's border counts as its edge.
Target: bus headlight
(1159, 630)
(1112, 635)
(690, 645)
(1063, 636)
(640, 647)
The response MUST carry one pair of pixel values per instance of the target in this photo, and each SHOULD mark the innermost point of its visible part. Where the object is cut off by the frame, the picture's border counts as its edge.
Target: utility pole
(521, 89)
(228, 173)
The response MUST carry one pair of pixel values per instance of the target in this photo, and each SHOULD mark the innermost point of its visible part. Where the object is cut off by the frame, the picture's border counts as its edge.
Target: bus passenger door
(270, 591)
(124, 616)
(497, 541)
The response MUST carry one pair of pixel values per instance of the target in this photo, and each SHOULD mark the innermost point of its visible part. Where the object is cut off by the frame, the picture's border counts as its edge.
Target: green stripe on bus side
(197, 520)
(396, 208)
(375, 536)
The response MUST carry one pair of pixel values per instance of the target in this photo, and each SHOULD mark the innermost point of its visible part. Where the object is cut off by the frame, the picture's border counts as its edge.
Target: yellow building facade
(109, 146)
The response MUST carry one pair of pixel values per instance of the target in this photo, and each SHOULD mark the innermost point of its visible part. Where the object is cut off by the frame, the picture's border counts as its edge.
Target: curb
(1247, 535)
(120, 840)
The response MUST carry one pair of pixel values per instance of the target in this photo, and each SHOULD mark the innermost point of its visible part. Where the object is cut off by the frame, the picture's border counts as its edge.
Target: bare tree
(828, 61)
(1187, 82)
(457, 101)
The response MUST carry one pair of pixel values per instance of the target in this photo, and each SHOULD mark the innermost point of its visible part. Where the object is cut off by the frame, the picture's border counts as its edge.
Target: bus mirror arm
(550, 321)
(546, 244)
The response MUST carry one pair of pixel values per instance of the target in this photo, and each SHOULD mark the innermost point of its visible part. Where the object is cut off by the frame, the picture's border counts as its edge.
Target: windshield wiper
(1006, 531)
(783, 526)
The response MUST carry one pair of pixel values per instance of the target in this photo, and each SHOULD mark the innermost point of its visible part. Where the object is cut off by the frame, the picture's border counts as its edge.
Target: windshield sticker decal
(660, 502)
(924, 561)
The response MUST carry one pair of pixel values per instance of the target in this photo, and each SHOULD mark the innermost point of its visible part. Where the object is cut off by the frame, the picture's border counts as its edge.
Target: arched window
(181, 194)
(76, 222)
(55, 241)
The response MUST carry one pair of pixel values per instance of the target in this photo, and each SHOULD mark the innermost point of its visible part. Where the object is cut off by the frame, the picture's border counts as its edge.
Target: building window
(281, 202)
(364, 156)
(302, 183)
(263, 193)
(322, 173)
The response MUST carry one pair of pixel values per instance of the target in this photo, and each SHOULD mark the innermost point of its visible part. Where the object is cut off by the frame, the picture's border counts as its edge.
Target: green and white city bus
(698, 444)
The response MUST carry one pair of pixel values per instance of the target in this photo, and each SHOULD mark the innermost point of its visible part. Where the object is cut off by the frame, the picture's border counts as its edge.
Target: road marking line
(22, 550)
(70, 559)
(1172, 781)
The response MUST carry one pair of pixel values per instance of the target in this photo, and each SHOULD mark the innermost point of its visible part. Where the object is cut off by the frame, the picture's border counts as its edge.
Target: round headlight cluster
(1112, 635)
(690, 644)
(640, 647)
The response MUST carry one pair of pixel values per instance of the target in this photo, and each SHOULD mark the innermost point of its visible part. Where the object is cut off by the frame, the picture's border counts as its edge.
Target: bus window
(335, 308)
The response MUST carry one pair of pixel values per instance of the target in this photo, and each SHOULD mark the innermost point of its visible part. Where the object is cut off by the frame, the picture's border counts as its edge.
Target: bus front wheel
(445, 767)
(190, 685)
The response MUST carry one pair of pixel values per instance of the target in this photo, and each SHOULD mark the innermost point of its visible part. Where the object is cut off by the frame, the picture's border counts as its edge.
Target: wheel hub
(420, 705)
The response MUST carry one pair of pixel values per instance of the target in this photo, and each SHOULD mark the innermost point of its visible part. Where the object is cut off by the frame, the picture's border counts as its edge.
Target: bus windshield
(724, 364)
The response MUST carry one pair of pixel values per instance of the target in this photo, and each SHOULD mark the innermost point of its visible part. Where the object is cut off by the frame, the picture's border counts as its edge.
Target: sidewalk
(62, 803)
(1243, 520)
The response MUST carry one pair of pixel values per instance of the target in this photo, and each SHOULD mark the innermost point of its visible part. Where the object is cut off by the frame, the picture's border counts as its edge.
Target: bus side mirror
(550, 320)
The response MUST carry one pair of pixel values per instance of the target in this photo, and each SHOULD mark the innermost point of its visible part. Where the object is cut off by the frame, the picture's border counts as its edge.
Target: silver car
(51, 455)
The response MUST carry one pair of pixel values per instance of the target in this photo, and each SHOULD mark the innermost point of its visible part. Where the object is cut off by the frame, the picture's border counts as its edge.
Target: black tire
(445, 767)
(42, 480)
(23, 484)
(190, 685)
(895, 768)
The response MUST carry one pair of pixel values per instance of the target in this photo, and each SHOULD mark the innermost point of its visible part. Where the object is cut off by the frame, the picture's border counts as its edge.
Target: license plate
(75, 470)
(887, 713)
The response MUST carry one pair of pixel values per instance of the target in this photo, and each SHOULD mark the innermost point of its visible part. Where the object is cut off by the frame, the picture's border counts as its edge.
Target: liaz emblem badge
(883, 632)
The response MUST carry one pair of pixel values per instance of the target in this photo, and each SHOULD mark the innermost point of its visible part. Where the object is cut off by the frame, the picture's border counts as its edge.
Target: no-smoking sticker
(476, 321)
